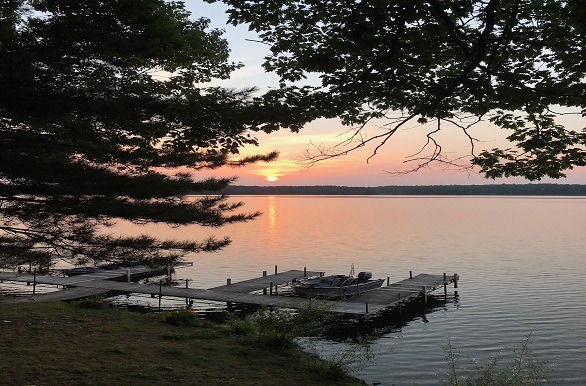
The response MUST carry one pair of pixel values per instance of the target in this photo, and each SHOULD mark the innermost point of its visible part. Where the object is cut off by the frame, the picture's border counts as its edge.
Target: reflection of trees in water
(345, 328)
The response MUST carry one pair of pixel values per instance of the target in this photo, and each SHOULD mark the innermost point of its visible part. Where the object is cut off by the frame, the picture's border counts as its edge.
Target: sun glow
(272, 178)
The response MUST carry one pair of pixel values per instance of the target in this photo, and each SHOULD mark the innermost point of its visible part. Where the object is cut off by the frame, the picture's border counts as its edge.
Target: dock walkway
(73, 286)
(368, 303)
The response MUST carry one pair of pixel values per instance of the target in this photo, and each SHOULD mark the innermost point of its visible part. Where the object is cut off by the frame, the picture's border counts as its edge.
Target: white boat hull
(312, 288)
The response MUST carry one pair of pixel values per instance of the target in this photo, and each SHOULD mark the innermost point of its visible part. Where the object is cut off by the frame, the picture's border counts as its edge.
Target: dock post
(275, 269)
(366, 307)
(34, 282)
(264, 273)
(410, 274)
(304, 271)
(186, 283)
(271, 288)
(455, 280)
(160, 293)
(128, 275)
(445, 285)
(228, 281)
(424, 289)
(169, 272)
(388, 281)
(400, 304)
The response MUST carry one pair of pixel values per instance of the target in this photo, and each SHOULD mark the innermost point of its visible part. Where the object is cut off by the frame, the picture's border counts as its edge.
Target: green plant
(523, 369)
(270, 329)
(312, 320)
(275, 329)
(241, 327)
(281, 330)
(181, 318)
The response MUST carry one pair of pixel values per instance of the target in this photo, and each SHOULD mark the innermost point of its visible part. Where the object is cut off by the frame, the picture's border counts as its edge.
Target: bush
(275, 329)
(181, 318)
(94, 302)
(311, 321)
(269, 329)
(241, 327)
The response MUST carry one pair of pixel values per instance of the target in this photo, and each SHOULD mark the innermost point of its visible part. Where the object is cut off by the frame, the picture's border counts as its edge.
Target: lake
(521, 261)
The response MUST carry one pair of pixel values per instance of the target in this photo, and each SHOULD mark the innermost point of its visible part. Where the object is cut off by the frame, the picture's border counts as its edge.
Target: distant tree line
(455, 190)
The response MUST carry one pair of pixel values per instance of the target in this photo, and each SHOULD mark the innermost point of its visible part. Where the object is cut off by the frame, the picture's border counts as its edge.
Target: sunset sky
(352, 169)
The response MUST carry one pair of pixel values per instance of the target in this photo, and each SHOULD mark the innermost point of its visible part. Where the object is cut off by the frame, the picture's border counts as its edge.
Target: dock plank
(259, 283)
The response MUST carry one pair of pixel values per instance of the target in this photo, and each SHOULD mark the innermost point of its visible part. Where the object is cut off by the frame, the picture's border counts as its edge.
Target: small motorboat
(335, 286)
(91, 269)
(82, 271)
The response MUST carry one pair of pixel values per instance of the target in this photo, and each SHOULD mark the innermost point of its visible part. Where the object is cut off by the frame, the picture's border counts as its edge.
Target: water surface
(521, 262)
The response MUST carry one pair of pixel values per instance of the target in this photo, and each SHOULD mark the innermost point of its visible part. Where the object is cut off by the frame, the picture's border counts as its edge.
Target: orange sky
(353, 169)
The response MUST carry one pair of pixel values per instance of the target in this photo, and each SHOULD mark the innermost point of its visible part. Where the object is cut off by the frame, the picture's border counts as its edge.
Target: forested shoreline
(455, 190)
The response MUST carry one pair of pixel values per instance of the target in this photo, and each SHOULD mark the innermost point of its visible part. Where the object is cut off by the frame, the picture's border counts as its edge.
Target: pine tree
(101, 104)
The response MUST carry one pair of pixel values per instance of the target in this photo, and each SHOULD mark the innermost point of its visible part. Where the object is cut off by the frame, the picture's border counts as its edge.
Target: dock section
(73, 286)
(266, 281)
(368, 303)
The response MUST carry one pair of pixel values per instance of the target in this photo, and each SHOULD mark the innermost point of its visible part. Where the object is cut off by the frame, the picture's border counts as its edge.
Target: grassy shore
(64, 344)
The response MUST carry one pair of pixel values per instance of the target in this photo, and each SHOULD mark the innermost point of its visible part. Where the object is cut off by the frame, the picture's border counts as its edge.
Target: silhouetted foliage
(519, 64)
(101, 104)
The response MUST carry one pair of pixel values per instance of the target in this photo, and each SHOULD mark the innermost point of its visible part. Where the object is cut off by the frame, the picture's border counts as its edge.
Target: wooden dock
(372, 302)
(73, 286)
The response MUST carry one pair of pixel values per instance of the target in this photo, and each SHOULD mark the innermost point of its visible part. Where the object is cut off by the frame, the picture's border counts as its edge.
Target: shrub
(241, 327)
(181, 318)
(94, 302)
(270, 329)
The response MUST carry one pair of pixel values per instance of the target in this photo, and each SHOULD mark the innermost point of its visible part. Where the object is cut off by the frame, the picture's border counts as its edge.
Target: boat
(335, 286)
(90, 269)
(82, 271)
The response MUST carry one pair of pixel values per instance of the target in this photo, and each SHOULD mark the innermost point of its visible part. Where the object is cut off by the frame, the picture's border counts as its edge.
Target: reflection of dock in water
(262, 291)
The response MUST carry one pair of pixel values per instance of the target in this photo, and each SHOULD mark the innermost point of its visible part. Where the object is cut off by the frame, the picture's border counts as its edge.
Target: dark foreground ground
(64, 344)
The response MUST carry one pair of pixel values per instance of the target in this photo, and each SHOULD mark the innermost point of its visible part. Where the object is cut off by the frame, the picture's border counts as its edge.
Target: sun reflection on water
(272, 217)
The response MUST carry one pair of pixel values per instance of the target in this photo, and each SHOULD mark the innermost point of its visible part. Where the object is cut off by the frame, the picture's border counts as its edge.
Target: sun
(272, 178)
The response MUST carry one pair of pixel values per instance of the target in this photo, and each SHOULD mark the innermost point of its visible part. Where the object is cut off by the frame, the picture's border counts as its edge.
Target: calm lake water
(521, 261)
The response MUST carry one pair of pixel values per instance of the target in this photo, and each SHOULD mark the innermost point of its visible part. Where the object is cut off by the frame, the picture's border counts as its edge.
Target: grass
(61, 343)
